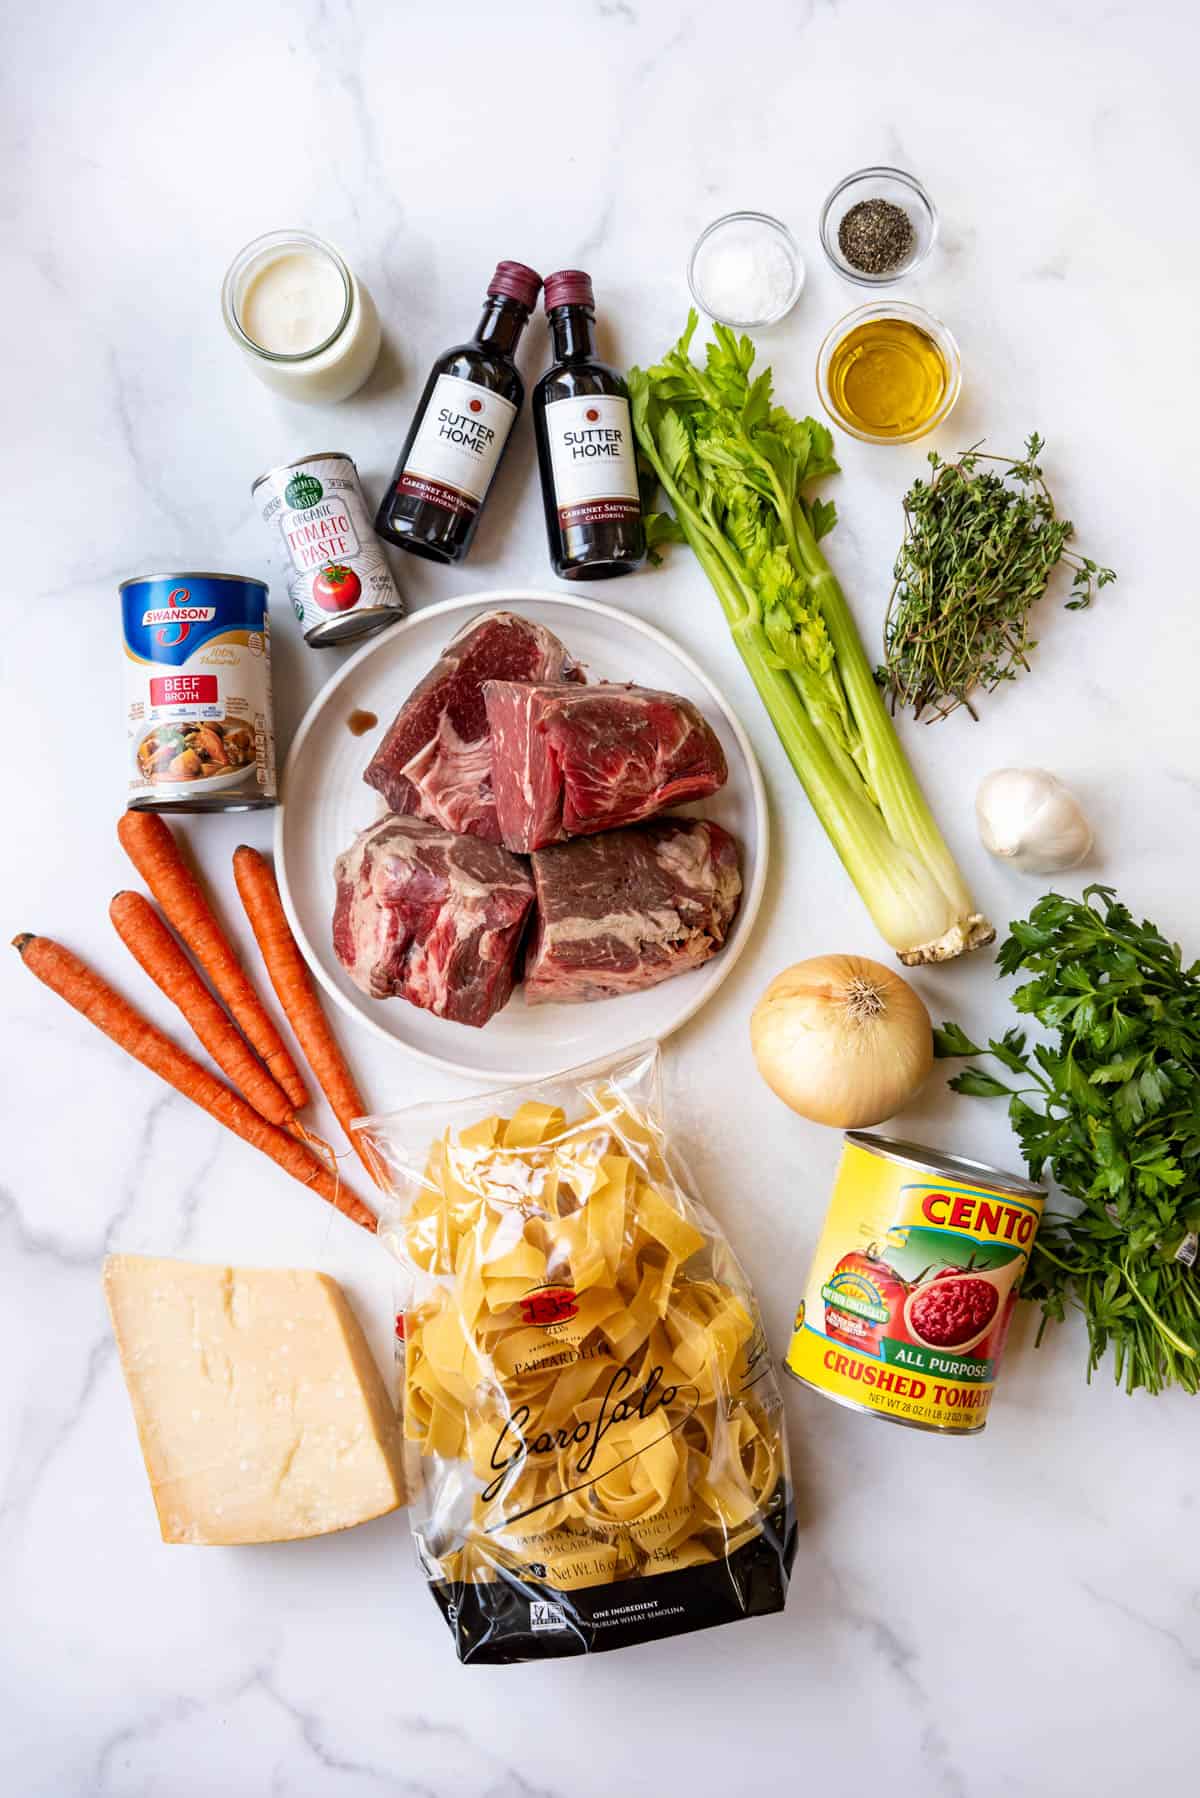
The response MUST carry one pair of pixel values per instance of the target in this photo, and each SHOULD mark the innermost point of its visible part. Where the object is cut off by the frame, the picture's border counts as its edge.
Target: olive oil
(887, 378)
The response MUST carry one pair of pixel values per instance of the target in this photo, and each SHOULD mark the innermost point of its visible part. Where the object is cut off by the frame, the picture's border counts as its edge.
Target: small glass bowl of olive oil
(888, 373)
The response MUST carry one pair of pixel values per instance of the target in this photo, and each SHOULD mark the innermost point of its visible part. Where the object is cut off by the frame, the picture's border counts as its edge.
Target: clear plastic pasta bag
(594, 1432)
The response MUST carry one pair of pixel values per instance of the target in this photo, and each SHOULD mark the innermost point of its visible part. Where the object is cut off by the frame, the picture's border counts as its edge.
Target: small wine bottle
(461, 427)
(586, 450)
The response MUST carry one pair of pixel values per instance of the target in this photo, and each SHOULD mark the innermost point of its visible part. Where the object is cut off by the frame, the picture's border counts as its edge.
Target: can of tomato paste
(914, 1284)
(337, 572)
(198, 725)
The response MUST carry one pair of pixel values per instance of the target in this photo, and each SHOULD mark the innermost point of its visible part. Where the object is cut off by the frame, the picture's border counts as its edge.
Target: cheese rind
(261, 1413)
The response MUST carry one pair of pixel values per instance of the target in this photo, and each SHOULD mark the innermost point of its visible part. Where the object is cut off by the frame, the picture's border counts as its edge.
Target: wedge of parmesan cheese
(261, 1414)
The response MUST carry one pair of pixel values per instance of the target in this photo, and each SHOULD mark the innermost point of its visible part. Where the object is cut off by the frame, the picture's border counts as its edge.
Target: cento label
(592, 459)
(911, 1291)
(457, 446)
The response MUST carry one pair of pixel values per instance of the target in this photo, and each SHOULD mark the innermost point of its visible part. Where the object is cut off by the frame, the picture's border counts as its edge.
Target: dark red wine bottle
(461, 428)
(586, 449)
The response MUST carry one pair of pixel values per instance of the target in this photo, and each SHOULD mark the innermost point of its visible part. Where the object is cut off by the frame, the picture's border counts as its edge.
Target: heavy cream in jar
(306, 325)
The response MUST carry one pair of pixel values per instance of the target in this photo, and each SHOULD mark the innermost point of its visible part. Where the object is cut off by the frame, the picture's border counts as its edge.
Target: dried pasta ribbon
(578, 1355)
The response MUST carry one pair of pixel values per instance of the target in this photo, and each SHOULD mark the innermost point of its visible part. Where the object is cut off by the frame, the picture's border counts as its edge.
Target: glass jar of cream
(306, 325)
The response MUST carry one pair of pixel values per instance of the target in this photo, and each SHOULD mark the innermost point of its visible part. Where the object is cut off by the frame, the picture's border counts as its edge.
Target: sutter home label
(457, 445)
(334, 561)
(592, 458)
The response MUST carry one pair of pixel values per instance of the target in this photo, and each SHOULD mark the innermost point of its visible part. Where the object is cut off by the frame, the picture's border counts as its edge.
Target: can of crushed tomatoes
(914, 1283)
(338, 577)
(198, 725)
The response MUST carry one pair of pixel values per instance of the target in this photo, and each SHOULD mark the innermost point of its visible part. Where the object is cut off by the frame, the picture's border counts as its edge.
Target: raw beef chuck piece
(567, 761)
(620, 912)
(430, 917)
(434, 762)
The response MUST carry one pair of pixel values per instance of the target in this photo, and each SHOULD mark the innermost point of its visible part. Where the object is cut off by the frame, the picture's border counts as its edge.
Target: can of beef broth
(199, 730)
(337, 572)
(914, 1283)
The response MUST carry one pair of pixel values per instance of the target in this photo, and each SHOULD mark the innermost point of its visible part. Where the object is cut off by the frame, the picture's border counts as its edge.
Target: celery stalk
(732, 467)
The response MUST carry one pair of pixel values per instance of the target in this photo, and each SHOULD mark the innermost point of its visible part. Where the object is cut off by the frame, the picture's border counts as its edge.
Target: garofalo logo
(513, 1446)
(302, 491)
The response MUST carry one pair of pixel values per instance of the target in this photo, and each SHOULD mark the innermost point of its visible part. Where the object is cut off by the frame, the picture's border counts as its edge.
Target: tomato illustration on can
(336, 588)
(864, 1299)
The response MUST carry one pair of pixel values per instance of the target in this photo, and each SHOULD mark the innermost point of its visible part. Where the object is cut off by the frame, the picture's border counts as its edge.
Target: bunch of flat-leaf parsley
(1113, 1111)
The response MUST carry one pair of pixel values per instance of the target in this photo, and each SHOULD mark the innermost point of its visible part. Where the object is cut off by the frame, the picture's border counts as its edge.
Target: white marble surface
(1017, 1615)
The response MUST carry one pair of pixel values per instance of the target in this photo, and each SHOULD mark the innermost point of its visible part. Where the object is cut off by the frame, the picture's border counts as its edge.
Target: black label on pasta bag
(517, 1617)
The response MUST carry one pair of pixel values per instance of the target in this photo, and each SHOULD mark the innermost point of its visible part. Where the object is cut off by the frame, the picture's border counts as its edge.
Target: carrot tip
(21, 943)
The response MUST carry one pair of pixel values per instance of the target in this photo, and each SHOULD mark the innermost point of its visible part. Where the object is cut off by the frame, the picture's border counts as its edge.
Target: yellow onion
(842, 1040)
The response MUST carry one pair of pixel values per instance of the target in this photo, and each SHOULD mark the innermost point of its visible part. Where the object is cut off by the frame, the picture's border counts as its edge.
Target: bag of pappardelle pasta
(594, 1432)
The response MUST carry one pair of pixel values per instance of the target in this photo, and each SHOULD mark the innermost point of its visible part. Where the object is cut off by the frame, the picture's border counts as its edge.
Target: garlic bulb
(842, 1040)
(1026, 816)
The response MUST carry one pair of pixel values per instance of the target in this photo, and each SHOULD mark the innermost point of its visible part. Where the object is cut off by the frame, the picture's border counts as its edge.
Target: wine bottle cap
(514, 281)
(569, 287)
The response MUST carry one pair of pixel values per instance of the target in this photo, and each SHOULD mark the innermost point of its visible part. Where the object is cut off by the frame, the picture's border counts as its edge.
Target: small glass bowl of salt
(746, 270)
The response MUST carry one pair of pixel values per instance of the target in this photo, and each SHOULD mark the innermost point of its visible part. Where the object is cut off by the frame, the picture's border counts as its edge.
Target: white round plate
(326, 803)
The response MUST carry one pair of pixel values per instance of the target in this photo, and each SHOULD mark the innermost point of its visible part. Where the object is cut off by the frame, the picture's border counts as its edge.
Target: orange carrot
(156, 951)
(155, 854)
(295, 991)
(104, 1007)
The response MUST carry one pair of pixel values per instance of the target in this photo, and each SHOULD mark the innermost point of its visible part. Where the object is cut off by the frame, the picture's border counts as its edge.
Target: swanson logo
(176, 618)
(302, 491)
(549, 1305)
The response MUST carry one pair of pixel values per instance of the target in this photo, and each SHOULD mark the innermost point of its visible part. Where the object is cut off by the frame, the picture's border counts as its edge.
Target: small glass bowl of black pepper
(877, 226)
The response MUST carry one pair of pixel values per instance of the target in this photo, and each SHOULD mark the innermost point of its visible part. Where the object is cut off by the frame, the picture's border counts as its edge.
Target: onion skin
(842, 1040)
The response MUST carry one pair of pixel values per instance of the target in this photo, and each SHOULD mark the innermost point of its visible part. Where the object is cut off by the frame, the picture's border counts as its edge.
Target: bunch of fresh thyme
(979, 549)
